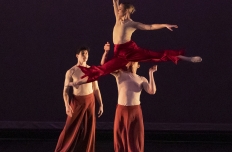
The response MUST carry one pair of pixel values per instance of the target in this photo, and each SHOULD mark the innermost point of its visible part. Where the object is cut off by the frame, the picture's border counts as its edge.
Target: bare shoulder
(71, 70)
(116, 73)
(134, 22)
(143, 79)
(131, 23)
(139, 25)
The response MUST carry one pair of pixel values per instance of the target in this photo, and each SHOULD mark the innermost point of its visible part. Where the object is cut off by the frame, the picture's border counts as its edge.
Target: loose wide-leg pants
(78, 134)
(123, 53)
(128, 129)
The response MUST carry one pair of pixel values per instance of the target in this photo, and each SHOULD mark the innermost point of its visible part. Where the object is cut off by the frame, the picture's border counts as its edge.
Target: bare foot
(196, 59)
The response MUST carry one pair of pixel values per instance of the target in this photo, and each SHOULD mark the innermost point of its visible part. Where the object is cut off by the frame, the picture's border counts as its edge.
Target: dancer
(128, 123)
(79, 130)
(126, 50)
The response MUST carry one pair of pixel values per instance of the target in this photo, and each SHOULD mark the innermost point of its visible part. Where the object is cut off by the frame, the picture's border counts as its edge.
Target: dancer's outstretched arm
(142, 26)
(150, 86)
(116, 6)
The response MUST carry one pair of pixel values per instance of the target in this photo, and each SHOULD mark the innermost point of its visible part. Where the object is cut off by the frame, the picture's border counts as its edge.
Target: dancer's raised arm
(142, 26)
(116, 5)
(150, 86)
(104, 58)
(105, 54)
(126, 50)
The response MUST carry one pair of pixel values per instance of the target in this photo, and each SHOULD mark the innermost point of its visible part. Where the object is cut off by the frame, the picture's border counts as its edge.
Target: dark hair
(129, 6)
(82, 48)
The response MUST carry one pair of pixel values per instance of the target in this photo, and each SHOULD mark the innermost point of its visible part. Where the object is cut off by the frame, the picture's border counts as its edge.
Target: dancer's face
(83, 56)
(121, 11)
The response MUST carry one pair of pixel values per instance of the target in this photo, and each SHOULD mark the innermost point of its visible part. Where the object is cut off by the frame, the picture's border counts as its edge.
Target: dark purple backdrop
(38, 40)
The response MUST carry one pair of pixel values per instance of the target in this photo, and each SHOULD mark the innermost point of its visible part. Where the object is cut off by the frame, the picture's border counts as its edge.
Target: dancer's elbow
(152, 92)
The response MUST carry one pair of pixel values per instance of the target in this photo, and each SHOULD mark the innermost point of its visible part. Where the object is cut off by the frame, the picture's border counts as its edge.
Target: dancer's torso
(83, 89)
(122, 31)
(129, 88)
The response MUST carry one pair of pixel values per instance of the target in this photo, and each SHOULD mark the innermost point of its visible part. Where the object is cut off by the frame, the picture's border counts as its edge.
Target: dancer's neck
(126, 18)
(133, 71)
(82, 64)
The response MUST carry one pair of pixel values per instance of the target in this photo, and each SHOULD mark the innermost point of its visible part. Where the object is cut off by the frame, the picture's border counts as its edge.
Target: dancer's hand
(153, 69)
(74, 84)
(107, 47)
(69, 110)
(105, 54)
(171, 26)
(100, 111)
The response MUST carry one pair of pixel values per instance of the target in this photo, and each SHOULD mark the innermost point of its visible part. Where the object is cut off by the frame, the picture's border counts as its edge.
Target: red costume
(129, 51)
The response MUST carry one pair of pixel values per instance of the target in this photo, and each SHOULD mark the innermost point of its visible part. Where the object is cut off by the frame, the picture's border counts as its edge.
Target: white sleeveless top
(129, 88)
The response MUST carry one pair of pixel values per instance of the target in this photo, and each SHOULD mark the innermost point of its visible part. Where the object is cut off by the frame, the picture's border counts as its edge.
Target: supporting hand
(107, 47)
(74, 84)
(116, 1)
(105, 54)
(153, 68)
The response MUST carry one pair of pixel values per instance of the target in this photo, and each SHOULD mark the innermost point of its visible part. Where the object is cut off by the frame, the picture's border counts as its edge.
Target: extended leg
(193, 59)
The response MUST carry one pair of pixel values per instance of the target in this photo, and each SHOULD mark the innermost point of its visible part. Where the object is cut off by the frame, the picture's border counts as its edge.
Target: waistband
(127, 43)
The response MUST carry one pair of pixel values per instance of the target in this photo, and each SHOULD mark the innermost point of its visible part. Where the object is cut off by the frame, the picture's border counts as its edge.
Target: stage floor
(45, 141)
(107, 146)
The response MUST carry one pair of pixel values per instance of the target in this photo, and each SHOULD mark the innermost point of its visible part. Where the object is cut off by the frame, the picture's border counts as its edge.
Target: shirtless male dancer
(128, 122)
(79, 131)
(126, 50)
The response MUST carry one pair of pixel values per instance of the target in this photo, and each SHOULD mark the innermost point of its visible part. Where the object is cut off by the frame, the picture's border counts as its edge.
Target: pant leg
(124, 53)
(94, 72)
(132, 52)
(79, 130)
(135, 130)
(120, 131)
(128, 129)
(86, 140)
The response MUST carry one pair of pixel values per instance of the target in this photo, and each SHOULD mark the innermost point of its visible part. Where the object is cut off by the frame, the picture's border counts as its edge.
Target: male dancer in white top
(128, 123)
(79, 130)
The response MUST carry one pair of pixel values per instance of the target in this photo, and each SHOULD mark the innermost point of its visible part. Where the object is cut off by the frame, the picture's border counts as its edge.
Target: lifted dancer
(126, 50)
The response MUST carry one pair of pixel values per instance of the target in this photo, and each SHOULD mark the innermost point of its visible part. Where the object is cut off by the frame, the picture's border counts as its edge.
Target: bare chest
(77, 74)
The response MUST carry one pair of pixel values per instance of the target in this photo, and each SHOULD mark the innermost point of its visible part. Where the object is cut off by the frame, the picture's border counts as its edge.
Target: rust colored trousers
(128, 129)
(78, 134)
